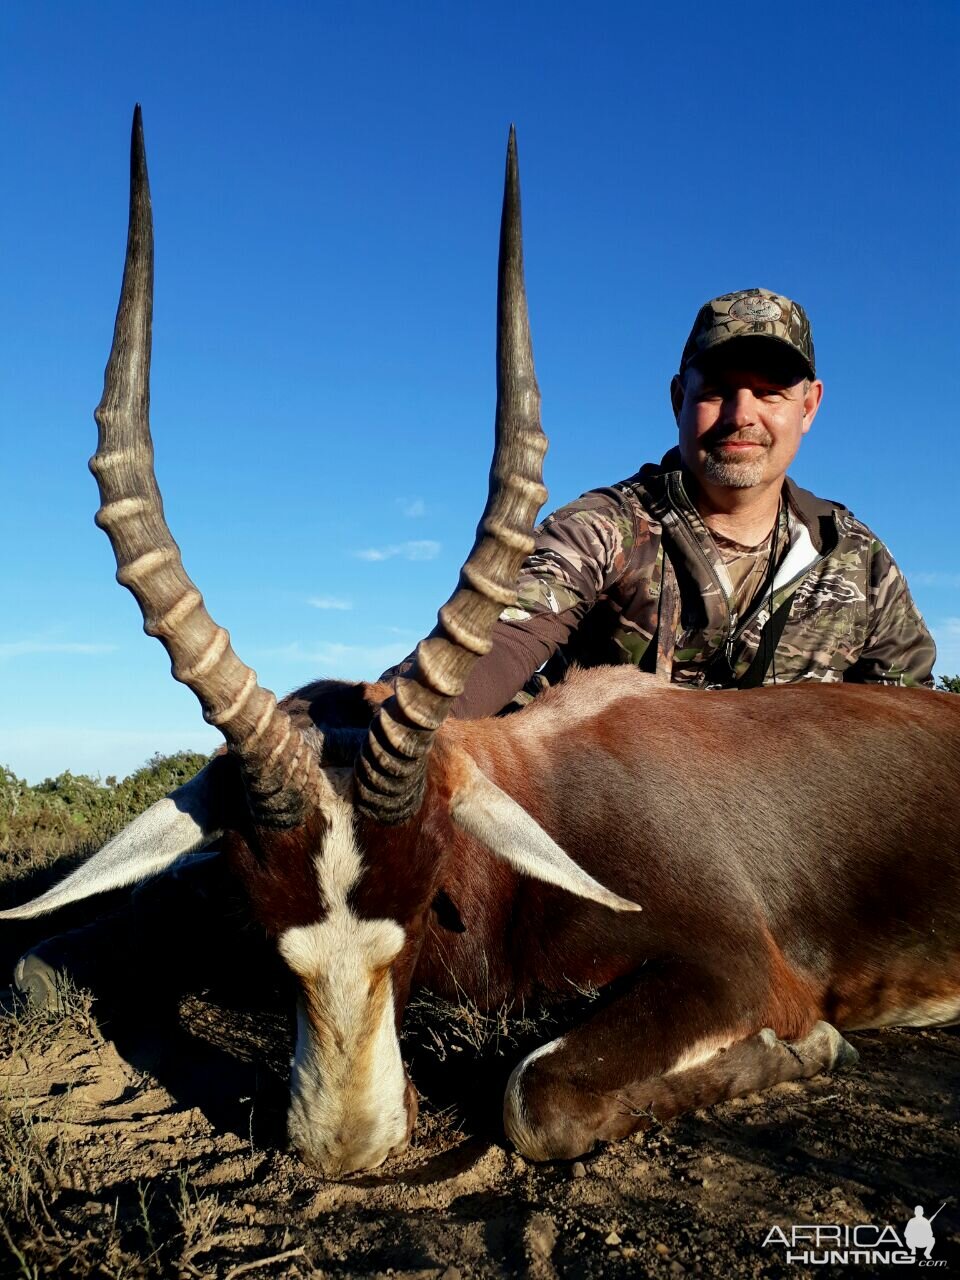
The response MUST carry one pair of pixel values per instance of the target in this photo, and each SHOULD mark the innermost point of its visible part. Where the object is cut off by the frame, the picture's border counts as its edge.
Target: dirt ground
(155, 1148)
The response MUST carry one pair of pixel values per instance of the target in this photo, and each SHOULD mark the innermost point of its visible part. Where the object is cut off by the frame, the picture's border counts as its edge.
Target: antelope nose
(342, 1161)
(349, 1153)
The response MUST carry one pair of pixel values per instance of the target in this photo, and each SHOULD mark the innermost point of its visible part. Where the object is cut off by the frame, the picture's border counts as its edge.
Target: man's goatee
(733, 475)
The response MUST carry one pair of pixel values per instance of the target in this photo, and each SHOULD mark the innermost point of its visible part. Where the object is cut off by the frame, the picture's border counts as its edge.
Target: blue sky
(326, 183)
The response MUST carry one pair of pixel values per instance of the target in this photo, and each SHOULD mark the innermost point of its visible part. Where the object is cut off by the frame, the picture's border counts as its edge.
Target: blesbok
(737, 872)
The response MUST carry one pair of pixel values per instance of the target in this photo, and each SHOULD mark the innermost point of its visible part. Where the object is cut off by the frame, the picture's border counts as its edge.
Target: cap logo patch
(756, 309)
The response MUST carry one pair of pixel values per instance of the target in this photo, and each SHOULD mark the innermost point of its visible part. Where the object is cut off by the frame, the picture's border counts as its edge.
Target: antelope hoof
(38, 982)
(827, 1049)
(543, 1116)
(847, 1056)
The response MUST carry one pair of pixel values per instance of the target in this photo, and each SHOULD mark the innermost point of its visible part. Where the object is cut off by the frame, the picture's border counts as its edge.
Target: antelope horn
(390, 772)
(280, 771)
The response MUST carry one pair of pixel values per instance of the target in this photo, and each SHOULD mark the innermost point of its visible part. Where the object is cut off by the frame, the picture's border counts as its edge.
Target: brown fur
(794, 851)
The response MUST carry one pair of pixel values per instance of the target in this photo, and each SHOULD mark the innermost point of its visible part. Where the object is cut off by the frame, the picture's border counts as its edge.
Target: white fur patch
(699, 1053)
(516, 1120)
(348, 1085)
(940, 1011)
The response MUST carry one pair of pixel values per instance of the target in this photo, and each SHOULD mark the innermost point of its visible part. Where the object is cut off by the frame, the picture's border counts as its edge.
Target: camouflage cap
(746, 313)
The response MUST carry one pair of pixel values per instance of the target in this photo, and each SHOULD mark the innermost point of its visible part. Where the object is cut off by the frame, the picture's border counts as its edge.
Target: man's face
(742, 414)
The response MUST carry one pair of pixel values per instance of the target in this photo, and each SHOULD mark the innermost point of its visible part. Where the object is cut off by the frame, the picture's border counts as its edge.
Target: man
(919, 1232)
(713, 569)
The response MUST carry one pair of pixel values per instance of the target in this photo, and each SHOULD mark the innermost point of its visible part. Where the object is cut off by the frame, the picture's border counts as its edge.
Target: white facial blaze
(348, 1086)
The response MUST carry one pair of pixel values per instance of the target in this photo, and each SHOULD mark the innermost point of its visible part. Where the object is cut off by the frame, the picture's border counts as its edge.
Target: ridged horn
(391, 770)
(280, 771)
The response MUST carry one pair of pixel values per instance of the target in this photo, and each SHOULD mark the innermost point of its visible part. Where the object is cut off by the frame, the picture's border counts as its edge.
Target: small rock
(578, 1169)
(248, 1210)
(677, 1268)
(628, 1251)
(661, 1248)
(451, 1273)
(612, 1238)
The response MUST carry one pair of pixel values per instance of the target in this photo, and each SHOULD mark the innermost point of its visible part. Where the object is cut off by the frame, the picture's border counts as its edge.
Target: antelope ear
(181, 823)
(486, 812)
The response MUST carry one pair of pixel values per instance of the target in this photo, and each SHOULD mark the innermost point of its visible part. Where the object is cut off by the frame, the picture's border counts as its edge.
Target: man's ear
(676, 395)
(811, 403)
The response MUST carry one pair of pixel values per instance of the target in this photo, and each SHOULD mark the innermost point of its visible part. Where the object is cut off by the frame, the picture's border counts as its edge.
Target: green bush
(63, 813)
(949, 684)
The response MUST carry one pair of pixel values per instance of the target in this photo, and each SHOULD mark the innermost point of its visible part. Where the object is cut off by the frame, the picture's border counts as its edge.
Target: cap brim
(781, 343)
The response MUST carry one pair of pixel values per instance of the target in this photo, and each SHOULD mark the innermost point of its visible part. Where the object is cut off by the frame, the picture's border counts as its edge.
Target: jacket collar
(825, 520)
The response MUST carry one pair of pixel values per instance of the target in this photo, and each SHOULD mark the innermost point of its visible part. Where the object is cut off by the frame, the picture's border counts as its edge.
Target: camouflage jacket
(838, 609)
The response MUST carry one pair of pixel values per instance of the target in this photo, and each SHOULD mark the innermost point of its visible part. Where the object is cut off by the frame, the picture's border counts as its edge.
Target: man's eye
(772, 393)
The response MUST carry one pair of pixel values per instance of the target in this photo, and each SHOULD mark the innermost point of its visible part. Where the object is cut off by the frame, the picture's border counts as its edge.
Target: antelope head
(332, 805)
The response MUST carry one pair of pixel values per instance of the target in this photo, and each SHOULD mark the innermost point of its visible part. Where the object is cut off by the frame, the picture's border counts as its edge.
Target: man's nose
(740, 408)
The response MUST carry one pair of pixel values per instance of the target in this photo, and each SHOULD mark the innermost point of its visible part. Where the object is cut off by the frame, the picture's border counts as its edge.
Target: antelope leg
(672, 1044)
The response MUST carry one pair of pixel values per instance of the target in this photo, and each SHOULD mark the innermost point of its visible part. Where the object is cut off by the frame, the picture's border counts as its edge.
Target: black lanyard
(720, 668)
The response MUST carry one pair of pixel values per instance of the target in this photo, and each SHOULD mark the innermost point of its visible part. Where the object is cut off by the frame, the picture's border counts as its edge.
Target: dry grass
(24, 1025)
(49, 1229)
(43, 1240)
(445, 1028)
(50, 1221)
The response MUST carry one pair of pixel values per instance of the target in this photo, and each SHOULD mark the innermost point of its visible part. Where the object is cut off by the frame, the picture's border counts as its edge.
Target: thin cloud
(412, 508)
(937, 578)
(25, 648)
(329, 602)
(423, 549)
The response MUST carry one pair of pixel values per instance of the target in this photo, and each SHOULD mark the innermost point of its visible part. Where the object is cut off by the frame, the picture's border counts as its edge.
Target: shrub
(60, 814)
